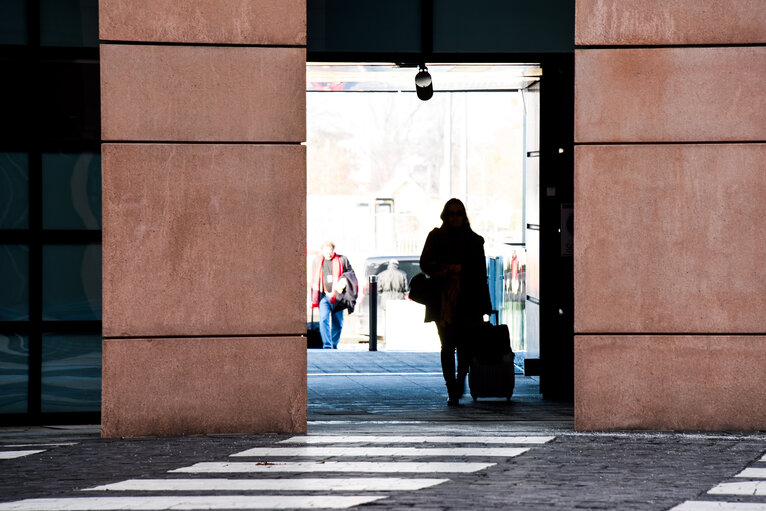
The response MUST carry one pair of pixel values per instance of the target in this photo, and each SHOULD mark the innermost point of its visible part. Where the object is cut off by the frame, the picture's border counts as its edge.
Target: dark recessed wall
(490, 26)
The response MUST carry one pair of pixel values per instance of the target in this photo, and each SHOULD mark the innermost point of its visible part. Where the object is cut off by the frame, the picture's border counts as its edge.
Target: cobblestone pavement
(360, 454)
(399, 385)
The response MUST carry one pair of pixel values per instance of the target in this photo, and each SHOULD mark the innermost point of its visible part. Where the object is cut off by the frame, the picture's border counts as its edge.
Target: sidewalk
(382, 438)
(356, 385)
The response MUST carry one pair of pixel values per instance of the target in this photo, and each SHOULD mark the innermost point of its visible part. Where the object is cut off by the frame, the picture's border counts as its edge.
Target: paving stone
(593, 471)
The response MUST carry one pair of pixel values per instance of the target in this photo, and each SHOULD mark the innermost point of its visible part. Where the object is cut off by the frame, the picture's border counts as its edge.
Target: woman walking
(453, 256)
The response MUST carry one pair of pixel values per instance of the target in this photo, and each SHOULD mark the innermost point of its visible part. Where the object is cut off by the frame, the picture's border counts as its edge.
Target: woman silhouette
(453, 256)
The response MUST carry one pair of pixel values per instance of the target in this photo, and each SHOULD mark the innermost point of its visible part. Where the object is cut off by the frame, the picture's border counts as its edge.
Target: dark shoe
(453, 401)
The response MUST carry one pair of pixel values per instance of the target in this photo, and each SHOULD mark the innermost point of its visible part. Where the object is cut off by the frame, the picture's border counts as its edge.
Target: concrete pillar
(203, 115)
(670, 275)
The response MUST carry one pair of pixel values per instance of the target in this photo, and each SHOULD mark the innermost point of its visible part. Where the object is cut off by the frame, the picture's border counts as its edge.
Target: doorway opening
(381, 164)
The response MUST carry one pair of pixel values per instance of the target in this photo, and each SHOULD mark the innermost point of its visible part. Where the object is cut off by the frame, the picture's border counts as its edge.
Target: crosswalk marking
(333, 466)
(702, 505)
(308, 484)
(506, 452)
(753, 473)
(375, 439)
(40, 445)
(9, 455)
(189, 502)
(736, 488)
(326, 491)
(754, 488)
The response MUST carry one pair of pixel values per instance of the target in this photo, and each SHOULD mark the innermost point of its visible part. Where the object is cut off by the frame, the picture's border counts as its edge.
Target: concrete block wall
(204, 185)
(670, 276)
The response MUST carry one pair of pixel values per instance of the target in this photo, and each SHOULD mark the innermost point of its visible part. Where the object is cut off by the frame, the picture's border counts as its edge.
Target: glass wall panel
(494, 161)
(14, 282)
(532, 185)
(72, 282)
(69, 23)
(14, 191)
(16, 102)
(532, 273)
(532, 329)
(532, 152)
(68, 101)
(532, 117)
(13, 22)
(72, 191)
(14, 373)
(71, 373)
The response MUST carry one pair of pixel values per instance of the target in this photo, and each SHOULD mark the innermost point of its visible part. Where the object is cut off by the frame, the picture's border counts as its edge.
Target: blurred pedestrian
(327, 285)
(514, 273)
(392, 283)
(453, 256)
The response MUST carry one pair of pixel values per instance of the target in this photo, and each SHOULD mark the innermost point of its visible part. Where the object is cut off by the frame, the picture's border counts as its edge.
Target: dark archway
(410, 33)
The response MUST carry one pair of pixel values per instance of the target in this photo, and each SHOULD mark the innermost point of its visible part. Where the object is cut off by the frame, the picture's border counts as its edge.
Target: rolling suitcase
(313, 338)
(491, 373)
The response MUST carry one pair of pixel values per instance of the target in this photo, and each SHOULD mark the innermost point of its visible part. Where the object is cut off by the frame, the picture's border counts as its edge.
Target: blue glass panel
(71, 373)
(14, 373)
(69, 23)
(13, 22)
(72, 191)
(14, 191)
(72, 282)
(14, 282)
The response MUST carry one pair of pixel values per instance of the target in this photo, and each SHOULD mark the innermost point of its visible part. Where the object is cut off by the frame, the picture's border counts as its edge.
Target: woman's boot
(452, 392)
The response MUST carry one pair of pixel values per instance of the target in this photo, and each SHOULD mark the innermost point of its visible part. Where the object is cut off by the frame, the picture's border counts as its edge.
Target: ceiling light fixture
(424, 86)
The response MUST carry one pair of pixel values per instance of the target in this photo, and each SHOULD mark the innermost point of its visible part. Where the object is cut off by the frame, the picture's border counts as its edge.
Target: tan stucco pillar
(670, 275)
(203, 116)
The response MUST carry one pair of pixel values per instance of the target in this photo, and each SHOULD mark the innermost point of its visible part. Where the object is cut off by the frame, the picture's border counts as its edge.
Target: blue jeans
(330, 323)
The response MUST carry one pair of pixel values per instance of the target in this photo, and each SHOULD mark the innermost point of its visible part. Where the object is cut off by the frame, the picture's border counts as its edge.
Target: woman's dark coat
(458, 246)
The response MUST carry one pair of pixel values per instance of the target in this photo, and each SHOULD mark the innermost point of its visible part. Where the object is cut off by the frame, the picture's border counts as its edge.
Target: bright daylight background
(382, 163)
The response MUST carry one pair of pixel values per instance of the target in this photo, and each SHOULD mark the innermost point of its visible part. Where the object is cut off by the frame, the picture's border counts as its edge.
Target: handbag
(422, 289)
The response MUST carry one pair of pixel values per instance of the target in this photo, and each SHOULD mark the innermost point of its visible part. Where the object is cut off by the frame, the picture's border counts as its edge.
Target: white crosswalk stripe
(701, 505)
(742, 490)
(59, 444)
(382, 439)
(753, 473)
(332, 466)
(326, 490)
(305, 484)
(189, 503)
(9, 455)
(754, 488)
(366, 452)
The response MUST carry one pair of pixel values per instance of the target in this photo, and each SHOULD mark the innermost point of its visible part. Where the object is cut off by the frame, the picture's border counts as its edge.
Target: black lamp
(424, 86)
